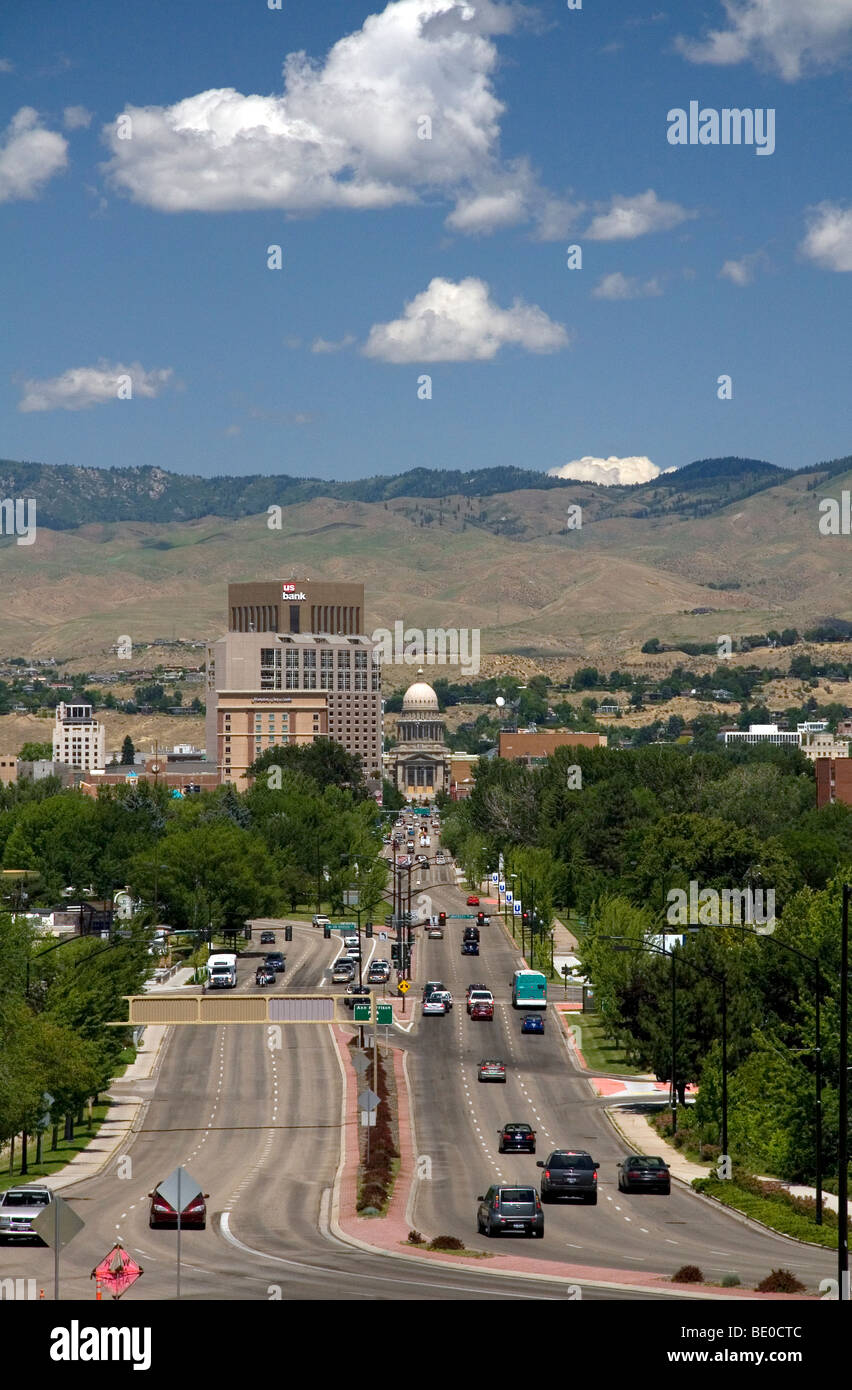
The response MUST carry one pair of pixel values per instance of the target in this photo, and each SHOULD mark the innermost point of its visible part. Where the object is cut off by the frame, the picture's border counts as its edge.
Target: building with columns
(420, 762)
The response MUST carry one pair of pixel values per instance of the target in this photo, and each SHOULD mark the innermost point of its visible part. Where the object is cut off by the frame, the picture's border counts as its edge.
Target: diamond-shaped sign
(403, 986)
(117, 1271)
(360, 1063)
(368, 1100)
(69, 1223)
(179, 1189)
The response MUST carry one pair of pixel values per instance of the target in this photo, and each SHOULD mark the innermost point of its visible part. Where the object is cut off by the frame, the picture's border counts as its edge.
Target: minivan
(510, 1209)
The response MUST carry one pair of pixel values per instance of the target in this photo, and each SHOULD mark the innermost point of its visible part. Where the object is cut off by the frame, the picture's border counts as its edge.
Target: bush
(415, 1238)
(781, 1281)
(446, 1243)
(688, 1274)
(372, 1195)
(730, 1281)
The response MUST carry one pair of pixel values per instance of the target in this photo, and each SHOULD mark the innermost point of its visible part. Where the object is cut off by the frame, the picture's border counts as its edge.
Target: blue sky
(146, 257)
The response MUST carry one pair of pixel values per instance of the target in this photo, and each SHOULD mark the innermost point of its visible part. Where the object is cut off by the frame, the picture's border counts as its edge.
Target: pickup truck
(318, 920)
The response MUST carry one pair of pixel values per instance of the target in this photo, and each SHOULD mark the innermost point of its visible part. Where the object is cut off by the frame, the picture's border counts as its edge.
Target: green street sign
(362, 1013)
(462, 916)
(344, 926)
(384, 1015)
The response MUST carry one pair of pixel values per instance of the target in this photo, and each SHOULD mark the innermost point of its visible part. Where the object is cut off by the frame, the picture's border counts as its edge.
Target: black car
(356, 994)
(275, 961)
(641, 1173)
(471, 934)
(510, 1209)
(470, 948)
(267, 938)
(264, 975)
(570, 1173)
(516, 1139)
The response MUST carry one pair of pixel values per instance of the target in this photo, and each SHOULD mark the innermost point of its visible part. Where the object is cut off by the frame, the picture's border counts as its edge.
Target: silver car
(19, 1206)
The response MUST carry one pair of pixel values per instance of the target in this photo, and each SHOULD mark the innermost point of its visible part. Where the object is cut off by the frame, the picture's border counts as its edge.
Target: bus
(529, 990)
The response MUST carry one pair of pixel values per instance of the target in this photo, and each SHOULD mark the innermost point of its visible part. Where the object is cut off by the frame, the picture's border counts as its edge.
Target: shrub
(781, 1281)
(446, 1243)
(688, 1274)
(372, 1195)
(415, 1238)
(730, 1281)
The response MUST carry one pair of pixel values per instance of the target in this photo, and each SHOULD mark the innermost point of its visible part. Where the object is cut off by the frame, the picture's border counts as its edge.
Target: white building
(78, 739)
(763, 733)
(824, 745)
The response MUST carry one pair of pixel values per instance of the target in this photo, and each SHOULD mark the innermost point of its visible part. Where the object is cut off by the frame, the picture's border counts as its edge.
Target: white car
(479, 996)
(445, 995)
(351, 939)
(19, 1206)
(435, 1004)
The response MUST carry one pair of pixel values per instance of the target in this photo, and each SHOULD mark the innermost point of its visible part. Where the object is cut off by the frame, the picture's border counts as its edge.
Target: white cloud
(81, 387)
(741, 272)
(627, 218)
(6, 65)
(325, 345)
(29, 156)
(829, 237)
(792, 36)
(346, 132)
(619, 286)
(452, 322)
(611, 472)
(77, 118)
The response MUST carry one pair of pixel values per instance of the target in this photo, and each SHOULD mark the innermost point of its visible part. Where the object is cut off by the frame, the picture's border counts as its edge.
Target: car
(479, 996)
(472, 900)
(352, 939)
(343, 973)
(516, 1138)
(267, 938)
(510, 1209)
(439, 859)
(470, 948)
(532, 1023)
(644, 1173)
(380, 967)
(434, 1004)
(356, 994)
(264, 975)
(482, 1009)
(570, 1173)
(491, 1071)
(470, 934)
(353, 953)
(432, 987)
(163, 1214)
(320, 921)
(476, 985)
(443, 994)
(435, 933)
(275, 961)
(19, 1207)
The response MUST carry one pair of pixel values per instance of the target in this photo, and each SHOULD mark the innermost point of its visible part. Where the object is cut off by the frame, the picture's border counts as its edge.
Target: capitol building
(420, 763)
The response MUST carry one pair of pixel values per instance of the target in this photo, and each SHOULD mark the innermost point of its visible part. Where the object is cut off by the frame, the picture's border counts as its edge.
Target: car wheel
(489, 1231)
(592, 1200)
(500, 1148)
(539, 1235)
(532, 1150)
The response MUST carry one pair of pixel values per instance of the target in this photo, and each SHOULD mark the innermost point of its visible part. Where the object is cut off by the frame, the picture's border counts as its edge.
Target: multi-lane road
(261, 1131)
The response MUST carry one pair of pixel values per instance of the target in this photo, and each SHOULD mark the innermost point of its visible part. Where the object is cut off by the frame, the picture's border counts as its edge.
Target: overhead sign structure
(117, 1271)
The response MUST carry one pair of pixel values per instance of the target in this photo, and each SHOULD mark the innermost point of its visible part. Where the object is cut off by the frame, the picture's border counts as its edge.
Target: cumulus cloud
(76, 118)
(6, 65)
(325, 345)
(627, 218)
(611, 472)
(81, 387)
(452, 322)
(741, 272)
(30, 154)
(402, 108)
(619, 286)
(791, 36)
(829, 238)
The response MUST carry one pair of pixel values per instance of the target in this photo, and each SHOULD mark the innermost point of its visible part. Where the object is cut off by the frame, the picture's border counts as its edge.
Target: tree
(216, 875)
(128, 752)
(36, 752)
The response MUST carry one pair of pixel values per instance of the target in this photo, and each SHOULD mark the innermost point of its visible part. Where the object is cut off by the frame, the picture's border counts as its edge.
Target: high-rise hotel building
(294, 665)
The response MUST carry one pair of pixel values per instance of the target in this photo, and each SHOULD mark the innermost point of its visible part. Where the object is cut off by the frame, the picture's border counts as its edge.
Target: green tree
(36, 752)
(128, 752)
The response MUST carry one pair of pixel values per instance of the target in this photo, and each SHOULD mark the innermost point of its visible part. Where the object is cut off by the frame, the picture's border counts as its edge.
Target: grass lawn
(600, 1052)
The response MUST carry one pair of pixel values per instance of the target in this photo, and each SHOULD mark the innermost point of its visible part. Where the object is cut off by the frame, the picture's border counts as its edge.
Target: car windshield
(26, 1199)
(570, 1161)
(515, 1196)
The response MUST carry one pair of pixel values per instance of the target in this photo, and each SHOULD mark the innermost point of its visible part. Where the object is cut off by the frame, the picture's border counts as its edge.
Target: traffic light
(395, 953)
(526, 919)
(326, 931)
(288, 933)
(442, 919)
(368, 929)
(480, 919)
(406, 919)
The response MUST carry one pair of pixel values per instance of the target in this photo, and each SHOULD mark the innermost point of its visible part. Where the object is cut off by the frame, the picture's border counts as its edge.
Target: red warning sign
(117, 1271)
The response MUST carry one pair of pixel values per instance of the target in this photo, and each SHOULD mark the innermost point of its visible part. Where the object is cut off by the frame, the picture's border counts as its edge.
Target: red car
(193, 1217)
(482, 1010)
(472, 900)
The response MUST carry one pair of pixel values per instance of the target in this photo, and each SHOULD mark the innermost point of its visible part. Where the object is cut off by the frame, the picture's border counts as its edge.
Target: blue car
(532, 1023)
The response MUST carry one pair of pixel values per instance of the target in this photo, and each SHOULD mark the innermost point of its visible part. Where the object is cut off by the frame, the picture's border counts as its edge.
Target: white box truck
(222, 971)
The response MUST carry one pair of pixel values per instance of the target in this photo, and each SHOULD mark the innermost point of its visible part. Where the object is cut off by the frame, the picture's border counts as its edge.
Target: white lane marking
(671, 1242)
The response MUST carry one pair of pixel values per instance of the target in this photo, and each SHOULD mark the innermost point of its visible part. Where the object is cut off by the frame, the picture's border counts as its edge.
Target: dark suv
(510, 1209)
(569, 1173)
(275, 961)
(516, 1139)
(471, 934)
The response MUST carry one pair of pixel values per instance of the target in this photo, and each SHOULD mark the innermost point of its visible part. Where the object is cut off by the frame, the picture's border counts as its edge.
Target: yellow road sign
(404, 986)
